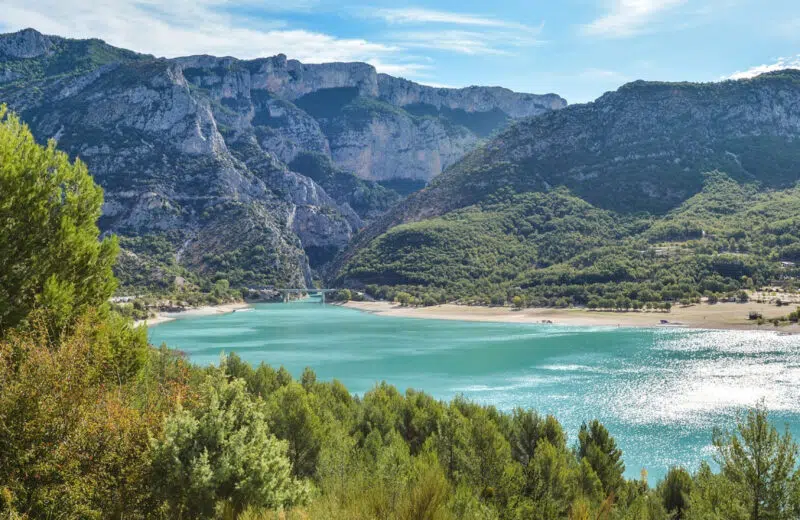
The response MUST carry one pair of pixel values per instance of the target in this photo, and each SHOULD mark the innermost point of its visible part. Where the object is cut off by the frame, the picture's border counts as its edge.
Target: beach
(733, 316)
(207, 310)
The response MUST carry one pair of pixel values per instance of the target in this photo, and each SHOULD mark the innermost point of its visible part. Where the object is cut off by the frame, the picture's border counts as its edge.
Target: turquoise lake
(659, 391)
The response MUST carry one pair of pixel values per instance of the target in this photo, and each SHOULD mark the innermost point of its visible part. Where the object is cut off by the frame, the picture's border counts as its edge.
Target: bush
(403, 298)
(219, 452)
(344, 295)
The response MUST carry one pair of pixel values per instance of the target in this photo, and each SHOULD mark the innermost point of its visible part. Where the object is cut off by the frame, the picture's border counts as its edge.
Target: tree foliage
(762, 464)
(49, 248)
(552, 248)
(218, 453)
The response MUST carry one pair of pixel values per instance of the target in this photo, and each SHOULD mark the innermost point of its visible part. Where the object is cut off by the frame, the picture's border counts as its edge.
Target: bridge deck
(307, 290)
(323, 292)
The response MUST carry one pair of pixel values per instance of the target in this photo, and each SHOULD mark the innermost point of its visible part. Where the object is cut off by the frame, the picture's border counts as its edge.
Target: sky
(578, 49)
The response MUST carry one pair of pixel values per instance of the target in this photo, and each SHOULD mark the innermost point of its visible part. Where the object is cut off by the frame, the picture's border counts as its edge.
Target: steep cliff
(193, 152)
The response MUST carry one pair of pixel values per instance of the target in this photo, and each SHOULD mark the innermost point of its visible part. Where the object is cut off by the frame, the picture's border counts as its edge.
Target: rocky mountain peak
(27, 43)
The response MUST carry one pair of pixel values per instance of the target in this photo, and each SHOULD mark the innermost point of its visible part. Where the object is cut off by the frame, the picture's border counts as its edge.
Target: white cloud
(438, 85)
(400, 69)
(416, 15)
(629, 17)
(780, 64)
(183, 27)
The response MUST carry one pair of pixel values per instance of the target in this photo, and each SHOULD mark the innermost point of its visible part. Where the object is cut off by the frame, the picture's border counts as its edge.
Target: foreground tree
(49, 248)
(599, 448)
(675, 491)
(762, 463)
(217, 457)
(72, 439)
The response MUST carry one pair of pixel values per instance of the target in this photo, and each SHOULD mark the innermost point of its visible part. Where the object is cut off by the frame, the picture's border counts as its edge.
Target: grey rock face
(392, 143)
(399, 146)
(401, 92)
(291, 79)
(27, 43)
(294, 132)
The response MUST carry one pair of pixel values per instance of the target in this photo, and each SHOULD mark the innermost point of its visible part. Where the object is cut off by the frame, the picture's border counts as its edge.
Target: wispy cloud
(630, 17)
(456, 32)
(183, 27)
(416, 15)
(401, 69)
(593, 73)
(438, 85)
(462, 42)
(792, 62)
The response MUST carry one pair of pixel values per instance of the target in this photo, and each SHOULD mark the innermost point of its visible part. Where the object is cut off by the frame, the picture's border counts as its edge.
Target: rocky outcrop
(27, 43)
(292, 131)
(355, 115)
(401, 92)
(369, 147)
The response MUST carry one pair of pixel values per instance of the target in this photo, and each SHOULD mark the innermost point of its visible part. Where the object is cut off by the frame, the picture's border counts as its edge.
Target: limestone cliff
(193, 152)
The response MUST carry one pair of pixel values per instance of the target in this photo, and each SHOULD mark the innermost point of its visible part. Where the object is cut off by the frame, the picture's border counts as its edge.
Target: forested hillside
(654, 193)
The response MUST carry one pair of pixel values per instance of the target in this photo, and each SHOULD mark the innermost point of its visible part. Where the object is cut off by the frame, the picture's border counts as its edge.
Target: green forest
(96, 423)
(555, 249)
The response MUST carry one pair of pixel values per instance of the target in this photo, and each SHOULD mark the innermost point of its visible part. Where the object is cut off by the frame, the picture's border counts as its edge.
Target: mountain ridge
(638, 154)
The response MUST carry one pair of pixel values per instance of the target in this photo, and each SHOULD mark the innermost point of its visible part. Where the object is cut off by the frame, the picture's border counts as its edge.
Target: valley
(531, 309)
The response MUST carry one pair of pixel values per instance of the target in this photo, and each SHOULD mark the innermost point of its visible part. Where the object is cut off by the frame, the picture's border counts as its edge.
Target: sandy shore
(208, 310)
(702, 316)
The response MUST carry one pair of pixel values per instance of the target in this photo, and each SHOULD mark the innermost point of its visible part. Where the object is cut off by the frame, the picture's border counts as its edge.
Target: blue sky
(576, 48)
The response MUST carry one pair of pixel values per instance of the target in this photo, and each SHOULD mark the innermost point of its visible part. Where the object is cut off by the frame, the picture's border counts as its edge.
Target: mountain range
(274, 172)
(256, 171)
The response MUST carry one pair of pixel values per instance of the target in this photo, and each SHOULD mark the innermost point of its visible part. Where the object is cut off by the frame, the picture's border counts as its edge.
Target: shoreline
(206, 310)
(720, 316)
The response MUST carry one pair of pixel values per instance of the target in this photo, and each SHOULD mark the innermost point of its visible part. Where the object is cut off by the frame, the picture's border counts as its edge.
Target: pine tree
(763, 463)
(50, 254)
(599, 448)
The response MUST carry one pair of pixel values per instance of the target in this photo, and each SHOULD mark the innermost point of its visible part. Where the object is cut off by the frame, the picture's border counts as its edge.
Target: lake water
(659, 391)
